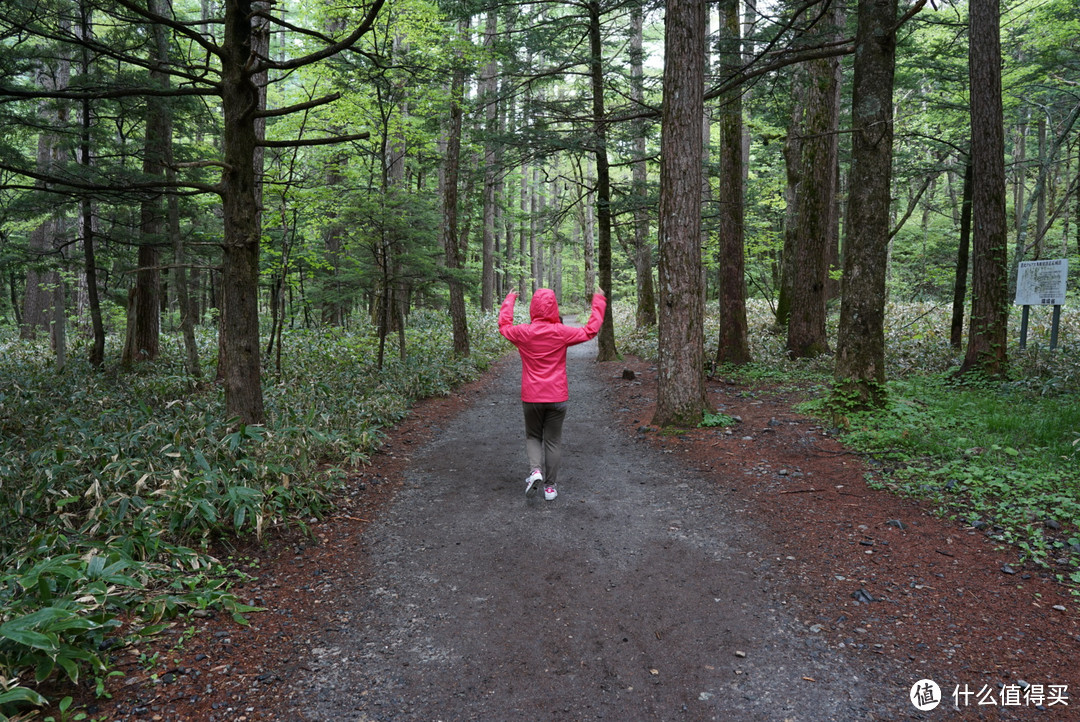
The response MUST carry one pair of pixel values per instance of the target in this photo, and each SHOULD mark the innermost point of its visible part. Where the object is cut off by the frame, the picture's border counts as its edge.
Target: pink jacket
(542, 343)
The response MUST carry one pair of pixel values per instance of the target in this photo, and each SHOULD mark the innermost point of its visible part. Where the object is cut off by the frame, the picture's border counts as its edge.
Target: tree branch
(298, 107)
(179, 27)
(299, 143)
(911, 206)
(21, 94)
(329, 50)
(69, 185)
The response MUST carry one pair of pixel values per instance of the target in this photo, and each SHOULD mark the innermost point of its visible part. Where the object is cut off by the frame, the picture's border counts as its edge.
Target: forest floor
(717, 574)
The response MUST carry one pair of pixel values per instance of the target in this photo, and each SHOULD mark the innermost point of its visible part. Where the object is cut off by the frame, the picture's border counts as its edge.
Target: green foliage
(993, 454)
(715, 419)
(997, 454)
(119, 486)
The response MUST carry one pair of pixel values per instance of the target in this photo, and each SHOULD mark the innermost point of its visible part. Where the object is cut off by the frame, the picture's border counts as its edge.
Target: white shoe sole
(531, 485)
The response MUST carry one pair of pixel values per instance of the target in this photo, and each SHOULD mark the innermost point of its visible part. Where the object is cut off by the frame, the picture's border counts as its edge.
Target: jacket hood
(543, 306)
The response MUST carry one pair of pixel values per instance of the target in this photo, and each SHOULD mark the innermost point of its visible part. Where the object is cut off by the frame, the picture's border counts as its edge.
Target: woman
(542, 345)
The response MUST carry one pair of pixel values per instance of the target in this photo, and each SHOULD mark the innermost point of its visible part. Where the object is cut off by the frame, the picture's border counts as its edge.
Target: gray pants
(543, 437)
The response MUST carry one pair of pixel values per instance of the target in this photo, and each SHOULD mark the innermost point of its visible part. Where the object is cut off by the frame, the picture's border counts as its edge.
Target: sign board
(1041, 283)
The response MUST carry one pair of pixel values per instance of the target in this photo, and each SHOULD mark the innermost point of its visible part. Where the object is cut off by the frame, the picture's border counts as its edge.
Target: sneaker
(550, 492)
(533, 482)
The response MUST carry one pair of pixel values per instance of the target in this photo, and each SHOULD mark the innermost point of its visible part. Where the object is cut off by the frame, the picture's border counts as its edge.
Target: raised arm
(506, 314)
(592, 327)
(596, 318)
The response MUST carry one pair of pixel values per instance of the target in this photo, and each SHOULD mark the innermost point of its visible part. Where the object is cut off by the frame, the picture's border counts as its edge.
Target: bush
(118, 484)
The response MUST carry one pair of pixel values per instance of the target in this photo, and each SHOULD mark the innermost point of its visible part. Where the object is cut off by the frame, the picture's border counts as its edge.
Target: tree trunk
(605, 341)
(183, 298)
(1020, 163)
(645, 315)
(588, 223)
(395, 188)
(488, 91)
(1037, 198)
(680, 394)
(454, 260)
(986, 350)
(502, 223)
(1040, 211)
(44, 291)
(536, 246)
(97, 348)
(524, 227)
(144, 342)
(333, 308)
(814, 218)
(860, 352)
(733, 346)
(956, 328)
(833, 260)
(241, 368)
(793, 178)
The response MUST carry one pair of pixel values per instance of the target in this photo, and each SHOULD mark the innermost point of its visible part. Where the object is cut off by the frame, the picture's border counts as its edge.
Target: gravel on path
(640, 593)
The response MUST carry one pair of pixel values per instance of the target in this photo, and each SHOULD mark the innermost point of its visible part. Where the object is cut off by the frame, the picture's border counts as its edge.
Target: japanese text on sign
(1041, 283)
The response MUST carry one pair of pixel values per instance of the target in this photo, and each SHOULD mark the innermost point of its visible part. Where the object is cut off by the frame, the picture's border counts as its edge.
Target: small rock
(862, 596)
(1060, 607)
(895, 523)
(739, 653)
(1052, 524)
(1008, 569)
(629, 375)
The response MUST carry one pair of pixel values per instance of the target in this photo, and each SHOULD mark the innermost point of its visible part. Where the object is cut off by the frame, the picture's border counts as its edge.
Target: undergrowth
(116, 485)
(999, 455)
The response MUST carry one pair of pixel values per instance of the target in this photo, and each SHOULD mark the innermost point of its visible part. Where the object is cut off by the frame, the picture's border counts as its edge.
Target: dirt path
(708, 575)
(638, 593)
